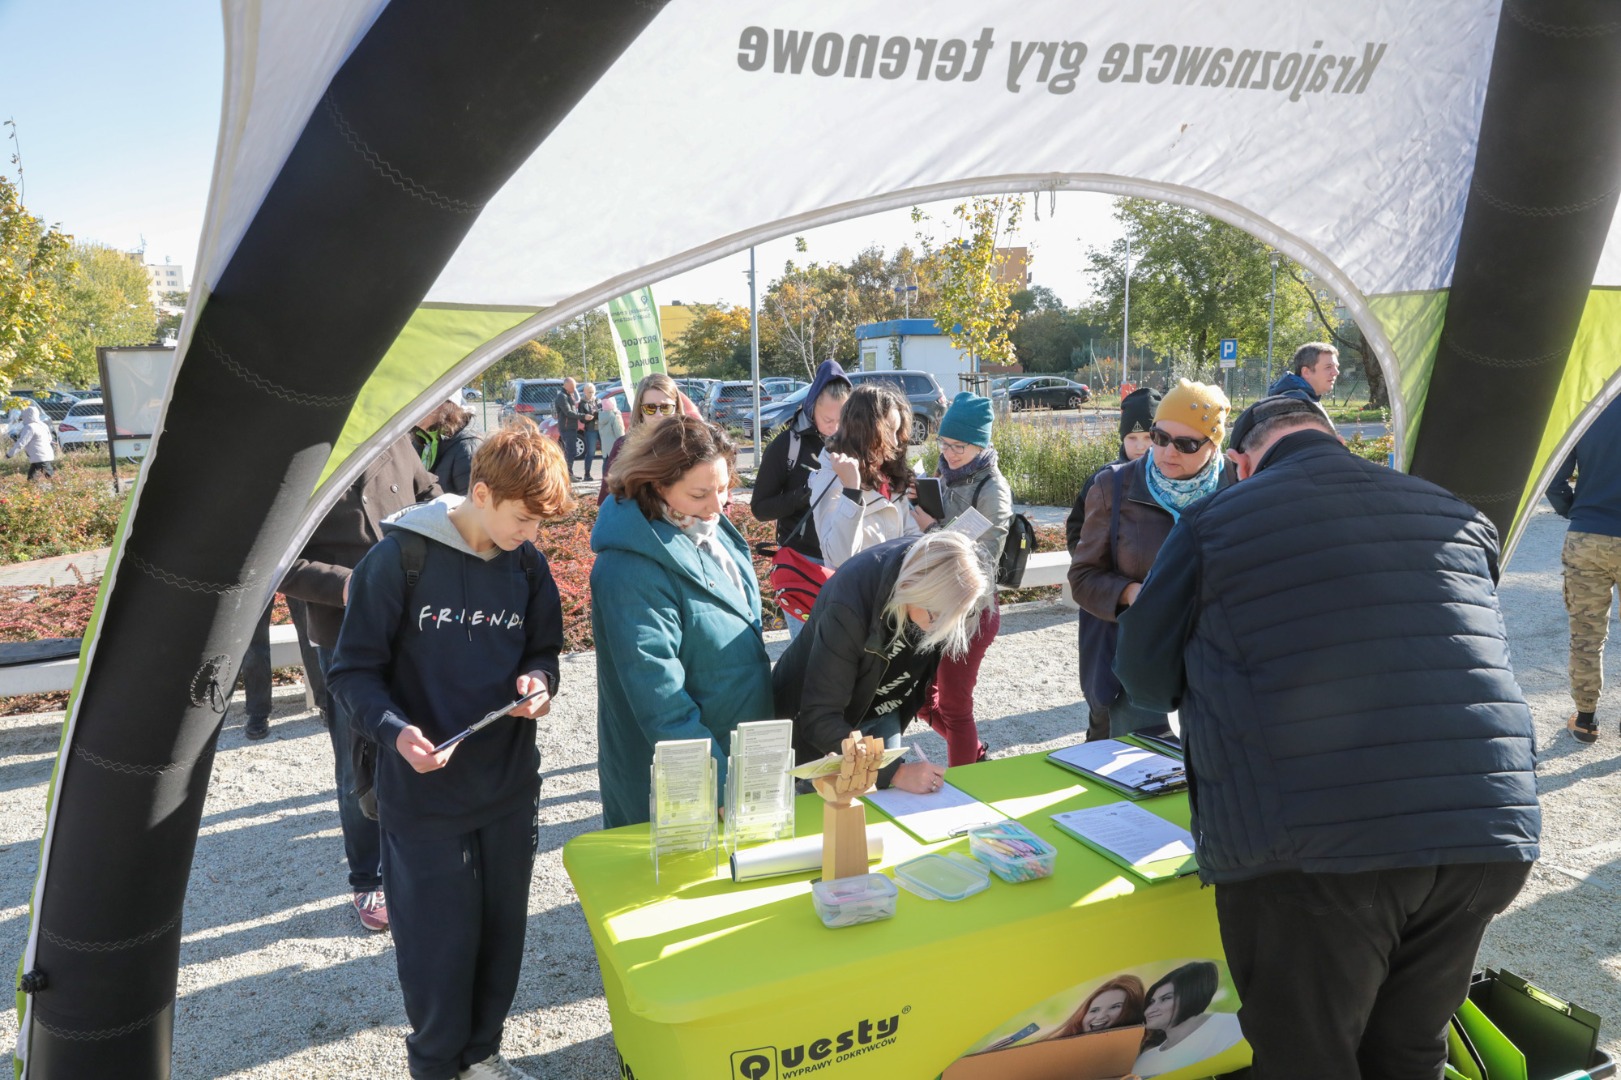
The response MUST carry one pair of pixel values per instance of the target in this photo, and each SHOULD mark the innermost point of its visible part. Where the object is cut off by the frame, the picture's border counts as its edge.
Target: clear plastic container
(942, 877)
(1013, 852)
(853, 900)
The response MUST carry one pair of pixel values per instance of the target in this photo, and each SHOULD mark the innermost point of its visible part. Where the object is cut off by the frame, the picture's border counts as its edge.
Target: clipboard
(491, 717)
(931, 497)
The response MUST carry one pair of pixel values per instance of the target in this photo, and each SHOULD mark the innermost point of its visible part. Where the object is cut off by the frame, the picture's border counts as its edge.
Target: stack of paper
(1129, 769)
(1125, 833)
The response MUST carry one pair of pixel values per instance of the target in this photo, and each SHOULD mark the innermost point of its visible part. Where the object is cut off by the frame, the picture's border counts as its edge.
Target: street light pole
(1272, 317)
(1125, 320)
(754, 361)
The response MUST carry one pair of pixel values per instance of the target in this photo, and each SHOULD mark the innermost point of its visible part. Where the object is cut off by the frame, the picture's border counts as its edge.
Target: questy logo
(757, 1064)
(823, 1051)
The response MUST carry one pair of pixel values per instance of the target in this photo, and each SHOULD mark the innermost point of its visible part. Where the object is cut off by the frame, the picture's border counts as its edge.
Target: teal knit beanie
(968, 420)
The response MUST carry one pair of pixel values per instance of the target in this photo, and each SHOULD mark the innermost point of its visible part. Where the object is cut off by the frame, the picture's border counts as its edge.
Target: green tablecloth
(707, 978)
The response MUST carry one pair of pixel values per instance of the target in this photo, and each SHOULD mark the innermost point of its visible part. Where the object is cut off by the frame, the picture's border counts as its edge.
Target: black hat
(1137, 410)
(1270, 408)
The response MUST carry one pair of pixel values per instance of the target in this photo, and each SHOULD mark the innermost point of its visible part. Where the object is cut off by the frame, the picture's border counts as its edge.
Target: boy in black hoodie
(452, 614)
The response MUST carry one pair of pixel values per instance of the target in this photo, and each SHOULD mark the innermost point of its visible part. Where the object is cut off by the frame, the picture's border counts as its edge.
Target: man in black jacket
(1364, 797)
(320, 578)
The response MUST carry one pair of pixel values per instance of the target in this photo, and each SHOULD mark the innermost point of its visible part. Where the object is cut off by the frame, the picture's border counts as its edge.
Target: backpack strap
(413, 557)
(794, 444)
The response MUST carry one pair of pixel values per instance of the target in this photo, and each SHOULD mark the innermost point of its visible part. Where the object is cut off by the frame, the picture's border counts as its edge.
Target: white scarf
(706, 535)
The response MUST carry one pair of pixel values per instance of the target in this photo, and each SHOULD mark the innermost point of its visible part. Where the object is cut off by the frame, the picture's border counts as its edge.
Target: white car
(83, 425)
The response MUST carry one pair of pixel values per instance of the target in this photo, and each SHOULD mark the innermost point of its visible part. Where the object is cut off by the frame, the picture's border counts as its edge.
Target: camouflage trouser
(1592, 571)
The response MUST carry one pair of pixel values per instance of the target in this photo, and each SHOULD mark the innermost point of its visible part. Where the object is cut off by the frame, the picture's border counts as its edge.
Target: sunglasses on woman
(666, 408)
(1185, 444)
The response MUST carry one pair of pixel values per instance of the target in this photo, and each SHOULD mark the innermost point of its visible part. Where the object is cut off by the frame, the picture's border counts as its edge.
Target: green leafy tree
(973, 302)
(1049, 339)
(586, 344)
(531, 360)
(170, 315)
(1194, 281)
(813, 310)
(104, 301)
(33, 259)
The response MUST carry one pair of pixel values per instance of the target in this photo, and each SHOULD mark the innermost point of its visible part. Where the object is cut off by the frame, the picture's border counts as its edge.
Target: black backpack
(362, 750)
(1016, 548)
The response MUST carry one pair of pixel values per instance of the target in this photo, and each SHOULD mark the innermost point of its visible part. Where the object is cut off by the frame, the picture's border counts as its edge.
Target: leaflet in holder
(1130, 769)
(759, 790)
(683, 802)
(831, 764)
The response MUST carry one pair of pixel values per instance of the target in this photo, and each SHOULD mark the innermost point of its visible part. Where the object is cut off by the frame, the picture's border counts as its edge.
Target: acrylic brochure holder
(759, 791)
(683, 802)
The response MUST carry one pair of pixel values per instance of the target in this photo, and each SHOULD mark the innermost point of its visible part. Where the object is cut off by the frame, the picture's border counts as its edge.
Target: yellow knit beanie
(1199, 405)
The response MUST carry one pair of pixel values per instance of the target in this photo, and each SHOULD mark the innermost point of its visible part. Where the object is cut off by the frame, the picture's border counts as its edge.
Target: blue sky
(117, 113)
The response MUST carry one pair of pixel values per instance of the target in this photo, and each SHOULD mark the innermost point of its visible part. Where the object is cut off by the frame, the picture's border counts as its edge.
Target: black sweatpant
(1355, 976)
(458, 907)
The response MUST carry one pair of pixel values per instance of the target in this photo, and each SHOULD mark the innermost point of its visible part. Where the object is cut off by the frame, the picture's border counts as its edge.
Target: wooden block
(844, 840)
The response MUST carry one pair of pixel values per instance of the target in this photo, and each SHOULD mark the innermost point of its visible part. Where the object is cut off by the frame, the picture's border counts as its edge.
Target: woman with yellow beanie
(1130, 511)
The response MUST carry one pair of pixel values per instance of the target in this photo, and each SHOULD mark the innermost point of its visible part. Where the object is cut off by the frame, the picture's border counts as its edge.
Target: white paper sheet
(938, 815)
(1121, 762)
(1129, 831)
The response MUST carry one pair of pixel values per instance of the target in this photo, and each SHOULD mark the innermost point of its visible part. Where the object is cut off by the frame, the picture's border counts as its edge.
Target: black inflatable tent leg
(431, 113)
(1547, 172)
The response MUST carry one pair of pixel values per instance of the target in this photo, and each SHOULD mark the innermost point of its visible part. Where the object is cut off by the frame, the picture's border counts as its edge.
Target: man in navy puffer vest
(1364, 797)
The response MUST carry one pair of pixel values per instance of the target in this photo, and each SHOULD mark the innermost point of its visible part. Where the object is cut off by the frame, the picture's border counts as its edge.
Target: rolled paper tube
(796, 856)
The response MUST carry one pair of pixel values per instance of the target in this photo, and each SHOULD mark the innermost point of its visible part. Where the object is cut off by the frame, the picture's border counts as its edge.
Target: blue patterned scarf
(1177, 495)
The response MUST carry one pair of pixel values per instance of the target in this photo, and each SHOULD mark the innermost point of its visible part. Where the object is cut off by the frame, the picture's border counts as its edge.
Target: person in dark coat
(1362, 760)
(872, 644)
(1311, 375)
(675, 611)
(446, 444)
(319, 577)
(1096, 637)
(782, 485)
(1129, 512)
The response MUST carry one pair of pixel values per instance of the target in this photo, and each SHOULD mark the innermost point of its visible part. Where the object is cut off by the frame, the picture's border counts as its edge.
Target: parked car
(53, 403)
(83, 425)
(531, 398)
(734, 399)
(780, 385)
(776, 414)
(703, 393)
(921, 389)
(472, 393)
(1046, 392)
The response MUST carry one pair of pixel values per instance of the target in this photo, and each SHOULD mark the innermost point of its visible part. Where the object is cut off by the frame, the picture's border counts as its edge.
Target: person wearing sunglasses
(657, 398)
(1129, 512)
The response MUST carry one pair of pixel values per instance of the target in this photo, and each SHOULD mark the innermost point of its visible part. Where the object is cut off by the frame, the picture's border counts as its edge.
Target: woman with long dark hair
(858, 494)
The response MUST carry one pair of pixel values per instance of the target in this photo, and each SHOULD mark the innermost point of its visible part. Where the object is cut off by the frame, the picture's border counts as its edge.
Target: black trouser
(458, 907)
(41, 468)
(256, 669)
(1355, 976)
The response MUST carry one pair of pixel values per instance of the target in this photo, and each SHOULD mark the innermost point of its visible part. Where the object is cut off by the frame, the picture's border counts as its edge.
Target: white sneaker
(494, 1067)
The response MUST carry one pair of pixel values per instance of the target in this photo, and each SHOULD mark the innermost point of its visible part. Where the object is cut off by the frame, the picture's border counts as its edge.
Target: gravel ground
(277, 979)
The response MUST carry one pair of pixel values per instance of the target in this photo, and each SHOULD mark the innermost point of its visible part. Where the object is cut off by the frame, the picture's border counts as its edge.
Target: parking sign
(1229, 348)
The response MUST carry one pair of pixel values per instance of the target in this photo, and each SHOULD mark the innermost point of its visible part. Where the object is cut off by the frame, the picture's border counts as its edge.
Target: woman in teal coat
(675, 609)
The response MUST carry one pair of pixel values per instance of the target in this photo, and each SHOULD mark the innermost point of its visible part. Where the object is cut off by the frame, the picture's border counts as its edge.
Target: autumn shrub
(77, 511)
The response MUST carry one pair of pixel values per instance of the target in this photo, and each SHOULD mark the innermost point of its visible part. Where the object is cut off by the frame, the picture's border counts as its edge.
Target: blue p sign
(1229, 348)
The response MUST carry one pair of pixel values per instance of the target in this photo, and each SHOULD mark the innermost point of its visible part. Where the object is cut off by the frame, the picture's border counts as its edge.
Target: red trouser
(948, 707)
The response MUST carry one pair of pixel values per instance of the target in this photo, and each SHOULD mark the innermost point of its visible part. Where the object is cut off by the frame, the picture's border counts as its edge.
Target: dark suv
(734, 401)
(921, 389)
